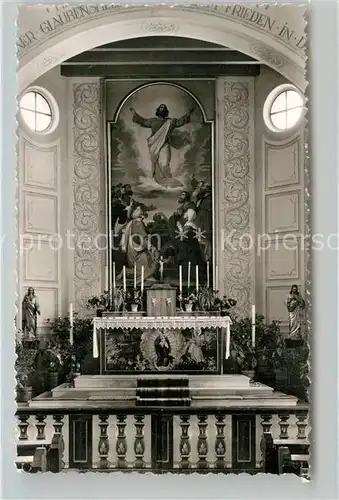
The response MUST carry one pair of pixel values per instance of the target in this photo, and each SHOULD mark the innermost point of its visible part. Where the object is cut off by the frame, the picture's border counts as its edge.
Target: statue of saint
(295, 305)
(30, 311)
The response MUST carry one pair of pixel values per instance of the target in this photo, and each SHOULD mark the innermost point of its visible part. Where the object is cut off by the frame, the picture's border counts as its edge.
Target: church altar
(162, 344)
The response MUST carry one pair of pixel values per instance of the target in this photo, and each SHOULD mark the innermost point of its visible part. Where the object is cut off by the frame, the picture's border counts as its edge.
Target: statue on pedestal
(295, 305)
(30, 311)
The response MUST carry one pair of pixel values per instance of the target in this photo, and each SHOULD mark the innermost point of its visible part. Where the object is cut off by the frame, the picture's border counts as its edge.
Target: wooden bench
(33, 463)
(293, 456)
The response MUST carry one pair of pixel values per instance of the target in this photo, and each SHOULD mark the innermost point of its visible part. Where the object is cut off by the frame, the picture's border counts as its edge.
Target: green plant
(135, 297)
(24, 364)
(190, 299)
(206, 298)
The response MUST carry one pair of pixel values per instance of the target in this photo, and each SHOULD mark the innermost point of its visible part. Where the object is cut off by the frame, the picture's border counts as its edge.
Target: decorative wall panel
(40, 165)
(40, 261)
(283, 259)
(49, 303)
(282, 163)
(86, 188)
(40, 213)
(235, 178)
(282, 212)
(275, 303)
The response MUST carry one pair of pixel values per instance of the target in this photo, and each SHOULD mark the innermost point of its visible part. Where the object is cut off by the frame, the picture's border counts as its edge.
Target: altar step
(163, 392)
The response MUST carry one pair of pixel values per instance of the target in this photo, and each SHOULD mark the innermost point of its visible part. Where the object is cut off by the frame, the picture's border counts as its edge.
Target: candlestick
(142, 279)
(197, 278)
(180, 279)
(71, 339)
(114, 284)
(124, 277)
(253, 326)
(135, 276)
(208, 274)
(189, 276)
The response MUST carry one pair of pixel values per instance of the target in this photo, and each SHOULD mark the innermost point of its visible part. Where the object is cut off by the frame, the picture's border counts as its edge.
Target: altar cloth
(196, 323)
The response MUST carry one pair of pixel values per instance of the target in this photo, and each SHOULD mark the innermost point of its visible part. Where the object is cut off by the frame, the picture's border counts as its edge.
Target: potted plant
(226, 304)
(189, 302)
(100, 303)
(206, 299)
(118, 299)
(241, 348)
(135, 300)
(24, 366)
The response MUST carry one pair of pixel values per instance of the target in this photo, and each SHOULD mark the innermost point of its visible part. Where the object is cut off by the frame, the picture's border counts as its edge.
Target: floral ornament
(181, 232)
(200, 235)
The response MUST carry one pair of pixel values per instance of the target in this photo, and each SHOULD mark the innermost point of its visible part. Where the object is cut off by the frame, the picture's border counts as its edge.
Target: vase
(134, 308)
(189, 307)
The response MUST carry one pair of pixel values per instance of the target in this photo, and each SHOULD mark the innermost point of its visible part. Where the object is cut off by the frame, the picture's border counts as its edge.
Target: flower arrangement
(207, 299)
(99, 301)
(190, 299)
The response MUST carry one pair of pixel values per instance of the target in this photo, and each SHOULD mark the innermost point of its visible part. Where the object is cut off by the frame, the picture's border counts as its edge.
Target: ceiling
(159, 57)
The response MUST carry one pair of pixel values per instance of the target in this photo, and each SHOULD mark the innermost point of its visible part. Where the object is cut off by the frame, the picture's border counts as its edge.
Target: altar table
(161, 327)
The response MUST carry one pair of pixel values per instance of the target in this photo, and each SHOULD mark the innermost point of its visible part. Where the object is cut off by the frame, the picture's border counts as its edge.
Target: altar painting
(161, 185)
(161, 351)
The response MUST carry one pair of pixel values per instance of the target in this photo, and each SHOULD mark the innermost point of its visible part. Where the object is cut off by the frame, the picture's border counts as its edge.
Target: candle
(161, 268)
(71, 323)
(106, 279)
(114, 284)
(124, 277)
(228, 341)
(142, 279)
(180, 279)
(253, 326)
(216, 275)
(208, 274)
(197, 278)
(189, 275)
(135, 276)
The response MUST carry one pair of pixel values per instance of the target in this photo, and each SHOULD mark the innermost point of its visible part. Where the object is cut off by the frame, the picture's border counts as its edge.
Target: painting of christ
(160, 185)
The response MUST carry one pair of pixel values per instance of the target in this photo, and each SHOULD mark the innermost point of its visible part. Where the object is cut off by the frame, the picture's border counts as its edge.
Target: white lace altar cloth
(196, 323)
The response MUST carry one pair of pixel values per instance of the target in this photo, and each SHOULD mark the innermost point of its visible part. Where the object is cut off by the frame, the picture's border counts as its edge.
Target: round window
(36, 111)
(284, 108)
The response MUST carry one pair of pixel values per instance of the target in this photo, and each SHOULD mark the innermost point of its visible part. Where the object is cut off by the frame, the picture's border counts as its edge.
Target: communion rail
(234, 440)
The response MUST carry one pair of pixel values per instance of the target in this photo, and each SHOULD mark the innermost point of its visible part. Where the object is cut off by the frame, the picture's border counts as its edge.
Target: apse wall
(62, 191)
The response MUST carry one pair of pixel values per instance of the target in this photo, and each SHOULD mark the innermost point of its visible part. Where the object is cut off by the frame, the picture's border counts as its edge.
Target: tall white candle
(208, 273)
(189, 275)
(106, 279)
(142, 279)
(135, 276)
(180, 279)
(71, 339)
(228, 341)
(114, 284)
(253, 326)
(161, 268)
(197, 278)
(124, 277)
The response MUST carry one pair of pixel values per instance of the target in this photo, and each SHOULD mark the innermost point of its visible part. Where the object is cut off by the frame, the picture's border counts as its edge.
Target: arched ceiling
(49, 35)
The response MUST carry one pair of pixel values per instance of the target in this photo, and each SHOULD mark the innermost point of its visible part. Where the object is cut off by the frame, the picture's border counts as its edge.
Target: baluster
(220, 443)
(23, 425)
(40, 425)
(103, 446)
(301, 424)
(202, 442)
(266, 423)
(139, 443)
(185, 447)
(284, 425)
(121, 446)
(58, 425)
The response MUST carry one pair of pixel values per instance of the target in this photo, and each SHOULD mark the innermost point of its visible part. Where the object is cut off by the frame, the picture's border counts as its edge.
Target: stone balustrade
(211, 440)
